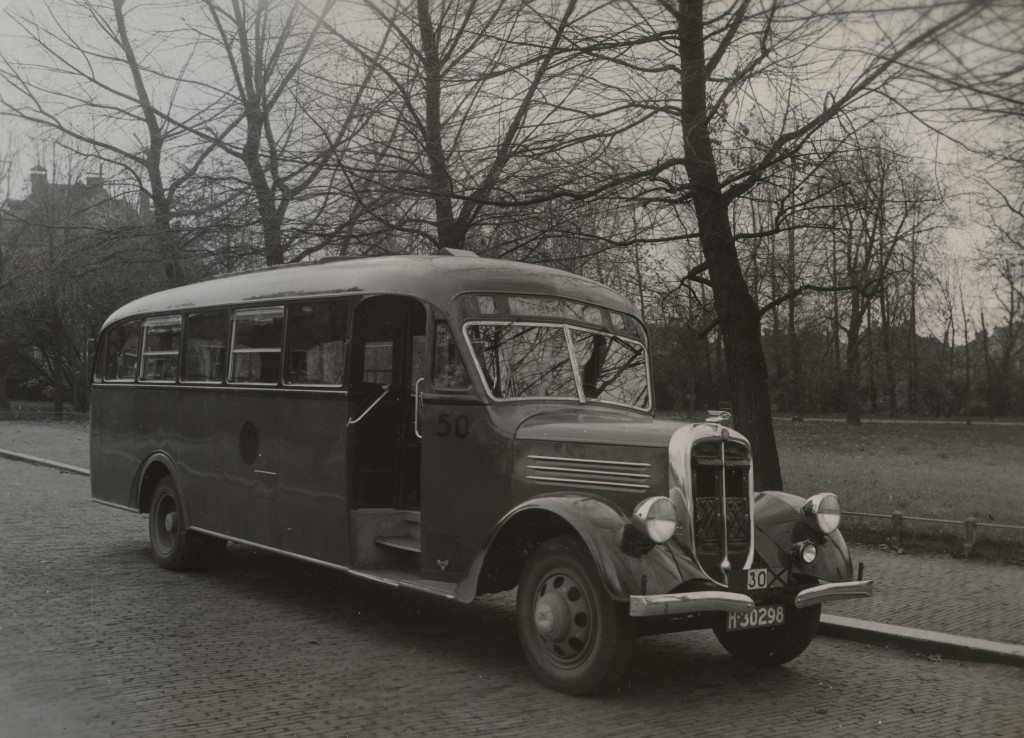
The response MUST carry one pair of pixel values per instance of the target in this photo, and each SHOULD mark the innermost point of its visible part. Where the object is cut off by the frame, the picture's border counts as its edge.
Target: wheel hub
(169, 520)
(551, 616)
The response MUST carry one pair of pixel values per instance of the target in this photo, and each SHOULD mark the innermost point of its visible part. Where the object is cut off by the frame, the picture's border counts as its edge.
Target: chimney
(37, 176)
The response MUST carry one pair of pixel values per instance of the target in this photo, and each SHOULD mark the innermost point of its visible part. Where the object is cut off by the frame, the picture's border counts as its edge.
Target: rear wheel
(772, 646)
(174, 546)
(576, 638)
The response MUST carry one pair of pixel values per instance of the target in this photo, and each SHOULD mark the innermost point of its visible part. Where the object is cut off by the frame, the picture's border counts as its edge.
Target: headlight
(824, 511)
(805, 551)
(656, 516)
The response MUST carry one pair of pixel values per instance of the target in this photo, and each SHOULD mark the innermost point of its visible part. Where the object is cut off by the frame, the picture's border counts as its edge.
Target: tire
(174, 546)
(576, 638)
(772, 646)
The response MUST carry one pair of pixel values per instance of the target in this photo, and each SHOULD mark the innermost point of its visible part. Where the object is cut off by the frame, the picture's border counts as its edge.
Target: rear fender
(661, 569)
(152, 470)
(779, 522)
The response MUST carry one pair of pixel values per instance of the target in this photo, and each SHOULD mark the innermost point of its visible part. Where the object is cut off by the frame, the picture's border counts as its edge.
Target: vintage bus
(456, 426)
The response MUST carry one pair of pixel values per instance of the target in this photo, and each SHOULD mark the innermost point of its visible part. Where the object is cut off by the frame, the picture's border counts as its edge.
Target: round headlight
(806, 551)
(824, 511)
(657, 517)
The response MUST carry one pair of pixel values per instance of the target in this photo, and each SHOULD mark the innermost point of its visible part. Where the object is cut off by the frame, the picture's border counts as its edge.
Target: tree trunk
(440, 184)
(739, 321)
(965, 399)
(837, 341)
(890, 366)
(871, 361)
(796, 379)
(989, 379)
(851, 370)
(912, 335)
(58, 389)
(779, 354)
(5, 402)
(168, 242)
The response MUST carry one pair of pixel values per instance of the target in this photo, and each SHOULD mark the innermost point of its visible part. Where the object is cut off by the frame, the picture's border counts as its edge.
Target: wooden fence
(968, 537)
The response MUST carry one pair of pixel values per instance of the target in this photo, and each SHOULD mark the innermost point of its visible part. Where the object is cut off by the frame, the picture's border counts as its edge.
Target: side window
(419, 357)
(316, 343)
(160, 344)
(449, 369)
(101, 353)
(206, 347)
(256, 346)
(121, 357)
(379, 361)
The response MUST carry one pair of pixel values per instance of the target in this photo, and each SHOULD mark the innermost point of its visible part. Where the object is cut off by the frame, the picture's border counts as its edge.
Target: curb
(959, 648)
(43, 462)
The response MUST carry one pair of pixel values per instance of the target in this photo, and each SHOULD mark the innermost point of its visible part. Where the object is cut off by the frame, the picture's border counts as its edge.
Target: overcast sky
(949, 159)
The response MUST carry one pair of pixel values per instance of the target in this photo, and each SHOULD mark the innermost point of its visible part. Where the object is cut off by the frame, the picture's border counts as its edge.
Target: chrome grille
(708, 524)
(713, 466)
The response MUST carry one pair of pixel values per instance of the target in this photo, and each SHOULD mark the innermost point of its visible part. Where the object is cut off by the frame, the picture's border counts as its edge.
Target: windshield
(520, 360)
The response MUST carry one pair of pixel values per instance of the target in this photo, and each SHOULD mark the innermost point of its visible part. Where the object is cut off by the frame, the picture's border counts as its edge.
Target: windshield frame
(567, 329)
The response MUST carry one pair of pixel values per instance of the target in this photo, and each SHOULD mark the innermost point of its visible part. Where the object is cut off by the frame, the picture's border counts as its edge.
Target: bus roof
(435, 279)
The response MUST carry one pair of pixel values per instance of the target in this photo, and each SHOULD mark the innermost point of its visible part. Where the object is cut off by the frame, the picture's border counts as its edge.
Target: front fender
(779, 522)
(601, 527)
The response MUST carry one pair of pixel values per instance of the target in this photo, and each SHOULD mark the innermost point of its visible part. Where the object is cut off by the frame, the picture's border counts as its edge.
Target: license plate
(763, 616)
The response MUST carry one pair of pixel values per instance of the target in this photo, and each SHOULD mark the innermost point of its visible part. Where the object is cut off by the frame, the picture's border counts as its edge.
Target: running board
(408, 580)
(402, 543)
(393, 577)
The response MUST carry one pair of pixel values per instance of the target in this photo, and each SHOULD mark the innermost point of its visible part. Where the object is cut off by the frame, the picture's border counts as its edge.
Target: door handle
(417, 399)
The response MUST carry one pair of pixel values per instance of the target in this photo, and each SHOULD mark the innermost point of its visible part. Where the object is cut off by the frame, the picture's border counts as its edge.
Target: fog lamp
(656, 516)
(824, 511)
(805, 551)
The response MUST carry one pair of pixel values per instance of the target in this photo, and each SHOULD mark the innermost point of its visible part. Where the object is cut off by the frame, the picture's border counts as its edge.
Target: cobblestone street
(96, 640)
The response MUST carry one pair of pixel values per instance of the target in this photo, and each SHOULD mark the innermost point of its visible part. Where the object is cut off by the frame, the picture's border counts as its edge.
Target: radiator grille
(714, 540)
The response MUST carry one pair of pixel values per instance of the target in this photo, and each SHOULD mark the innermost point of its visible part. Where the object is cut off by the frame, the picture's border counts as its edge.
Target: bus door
(388, 359)
(466, 459)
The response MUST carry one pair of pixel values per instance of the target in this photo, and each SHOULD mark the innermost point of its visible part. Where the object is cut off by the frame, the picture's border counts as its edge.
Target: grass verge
(931, 470)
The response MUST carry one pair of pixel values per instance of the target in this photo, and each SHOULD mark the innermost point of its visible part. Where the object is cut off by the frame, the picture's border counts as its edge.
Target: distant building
(62, 248)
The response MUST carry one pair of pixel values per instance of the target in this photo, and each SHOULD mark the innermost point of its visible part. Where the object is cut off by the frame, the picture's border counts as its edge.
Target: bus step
(402, 543)
(412, 522)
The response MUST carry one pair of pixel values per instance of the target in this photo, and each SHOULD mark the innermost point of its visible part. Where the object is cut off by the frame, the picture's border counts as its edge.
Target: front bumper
(833, 592)
(649, 606)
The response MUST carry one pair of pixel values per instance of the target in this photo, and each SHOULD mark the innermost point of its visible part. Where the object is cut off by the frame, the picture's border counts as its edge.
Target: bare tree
(480, 91)
(8, 338)
(266, 48)
(1003, 345)
(71, 85)
(68, 272)
(718, 55)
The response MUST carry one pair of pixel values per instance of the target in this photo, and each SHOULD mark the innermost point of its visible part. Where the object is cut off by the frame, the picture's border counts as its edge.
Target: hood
(615, 428)
(601, 427)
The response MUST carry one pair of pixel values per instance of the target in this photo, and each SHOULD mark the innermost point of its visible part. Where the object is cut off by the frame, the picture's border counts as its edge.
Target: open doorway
(388, 358)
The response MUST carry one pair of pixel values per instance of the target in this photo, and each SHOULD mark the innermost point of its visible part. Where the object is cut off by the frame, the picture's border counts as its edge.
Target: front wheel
(174, 546)
(576, 638)
(772, 646)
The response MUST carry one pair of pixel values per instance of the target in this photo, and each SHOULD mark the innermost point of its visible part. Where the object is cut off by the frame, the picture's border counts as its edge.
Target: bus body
(457, 426)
